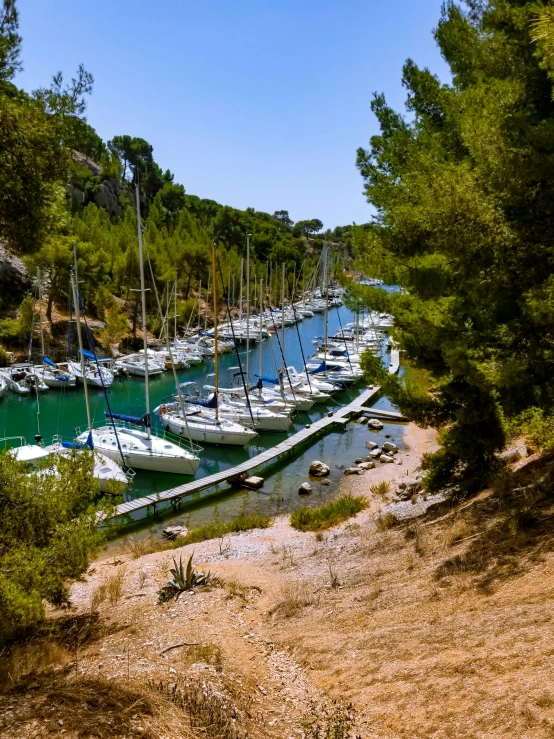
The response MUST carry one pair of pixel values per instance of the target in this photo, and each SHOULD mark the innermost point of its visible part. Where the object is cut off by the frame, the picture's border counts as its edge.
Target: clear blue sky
(249, 102)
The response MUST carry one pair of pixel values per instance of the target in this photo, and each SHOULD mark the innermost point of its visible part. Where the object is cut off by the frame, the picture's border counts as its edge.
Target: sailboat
(131, 436)
(106, 471)
(49, 372)
(202, 419)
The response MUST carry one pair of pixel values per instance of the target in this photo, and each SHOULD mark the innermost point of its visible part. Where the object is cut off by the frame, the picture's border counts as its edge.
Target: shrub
(217, 529)
(536, 425)
(49, 529)
(382, 489)
(4, 358)
(388, 521)
(293, 597)
(331, 514)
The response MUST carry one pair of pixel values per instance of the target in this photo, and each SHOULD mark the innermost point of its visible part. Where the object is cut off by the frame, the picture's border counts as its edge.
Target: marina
(220, 402)
(286, 447)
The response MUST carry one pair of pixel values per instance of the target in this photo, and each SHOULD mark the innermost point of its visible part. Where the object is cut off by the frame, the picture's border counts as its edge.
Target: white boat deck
(394, 361)
(288, 446)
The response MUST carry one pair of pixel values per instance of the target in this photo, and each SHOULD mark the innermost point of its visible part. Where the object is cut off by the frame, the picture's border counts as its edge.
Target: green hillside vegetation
(62, 184)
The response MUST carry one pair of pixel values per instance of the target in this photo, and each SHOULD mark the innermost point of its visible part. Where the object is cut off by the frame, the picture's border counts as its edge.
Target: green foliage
(4, 358)
(217, 529)
(326, 516)
(10, 41)
(536, 425)
(48, 532)
(463, 191)
(116, 327)
(183, 579)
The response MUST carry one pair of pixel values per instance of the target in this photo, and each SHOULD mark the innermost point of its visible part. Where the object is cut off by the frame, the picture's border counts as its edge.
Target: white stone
(319, 469)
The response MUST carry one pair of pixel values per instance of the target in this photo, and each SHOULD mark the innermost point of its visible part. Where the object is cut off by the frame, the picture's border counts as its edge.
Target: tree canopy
(463, 187)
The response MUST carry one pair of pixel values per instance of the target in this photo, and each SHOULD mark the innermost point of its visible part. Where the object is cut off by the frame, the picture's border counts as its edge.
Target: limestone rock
(388, 446)
(319, 469)
(375, 454)
(174, 532)
(366, 465)
(305, 488)
(354, 471)
(375, 423)
(371, 445)
(386, 459)
(362, 420)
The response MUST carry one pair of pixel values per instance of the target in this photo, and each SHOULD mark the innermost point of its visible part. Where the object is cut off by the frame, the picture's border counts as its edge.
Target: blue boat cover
(265, 378)
(49, 362)
(72, 445)
(322, 367)
(135, 420)
(210, 403)
(87, 354)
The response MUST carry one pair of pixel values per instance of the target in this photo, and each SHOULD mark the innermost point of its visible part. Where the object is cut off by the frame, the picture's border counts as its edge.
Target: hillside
(436, 627)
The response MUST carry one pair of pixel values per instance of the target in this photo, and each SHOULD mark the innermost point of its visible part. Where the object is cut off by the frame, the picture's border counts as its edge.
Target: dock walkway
(288, 446)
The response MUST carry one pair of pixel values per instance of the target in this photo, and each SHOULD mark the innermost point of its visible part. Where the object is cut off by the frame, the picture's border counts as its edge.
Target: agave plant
(183, 578)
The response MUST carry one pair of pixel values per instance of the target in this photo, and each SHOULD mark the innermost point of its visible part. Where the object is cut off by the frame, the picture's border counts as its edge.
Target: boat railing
(6, 442)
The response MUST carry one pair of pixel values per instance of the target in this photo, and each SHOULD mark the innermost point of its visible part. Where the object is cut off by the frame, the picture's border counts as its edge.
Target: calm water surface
(61, 412)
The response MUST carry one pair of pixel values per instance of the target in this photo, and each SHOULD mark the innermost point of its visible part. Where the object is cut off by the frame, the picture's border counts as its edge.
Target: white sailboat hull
(139, 452)
(208, 430)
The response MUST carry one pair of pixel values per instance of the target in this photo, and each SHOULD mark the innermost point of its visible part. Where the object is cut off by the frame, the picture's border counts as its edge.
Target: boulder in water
(319, 469)
(305, 489)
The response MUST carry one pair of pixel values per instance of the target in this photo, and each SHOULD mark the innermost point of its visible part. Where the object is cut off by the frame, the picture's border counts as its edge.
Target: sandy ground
(359, 614)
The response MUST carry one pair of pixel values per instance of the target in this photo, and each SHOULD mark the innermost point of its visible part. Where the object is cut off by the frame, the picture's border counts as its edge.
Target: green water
(62, 411)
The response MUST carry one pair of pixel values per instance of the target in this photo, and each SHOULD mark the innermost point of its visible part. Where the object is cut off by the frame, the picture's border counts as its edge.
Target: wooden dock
(289, 446)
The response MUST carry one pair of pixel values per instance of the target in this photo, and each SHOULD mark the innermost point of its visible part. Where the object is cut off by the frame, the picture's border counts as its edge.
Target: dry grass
(293, 598)
(81, 708)
(98, 596)
(381, 489)
(141, 547)
(30, 657)
(420, 537)
(460, 528)
(114, 585)
(386, 521)
(208, 654)
(142, 578)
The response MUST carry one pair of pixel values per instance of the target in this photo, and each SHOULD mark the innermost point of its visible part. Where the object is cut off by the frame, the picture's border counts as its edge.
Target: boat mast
(207, 299)
(326, 283)
(175, 331)
(261, 336)
(247, 306)
(40, 313)
(283, 312)
(199, 299)
(216, 349)
(240, 293)
(76, 301)
(143, 303)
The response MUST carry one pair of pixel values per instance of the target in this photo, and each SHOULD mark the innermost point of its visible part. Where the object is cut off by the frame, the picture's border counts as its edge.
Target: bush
(49, 529)
(216, 529)
(534, 424)
(4, 358)
(331, 514)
